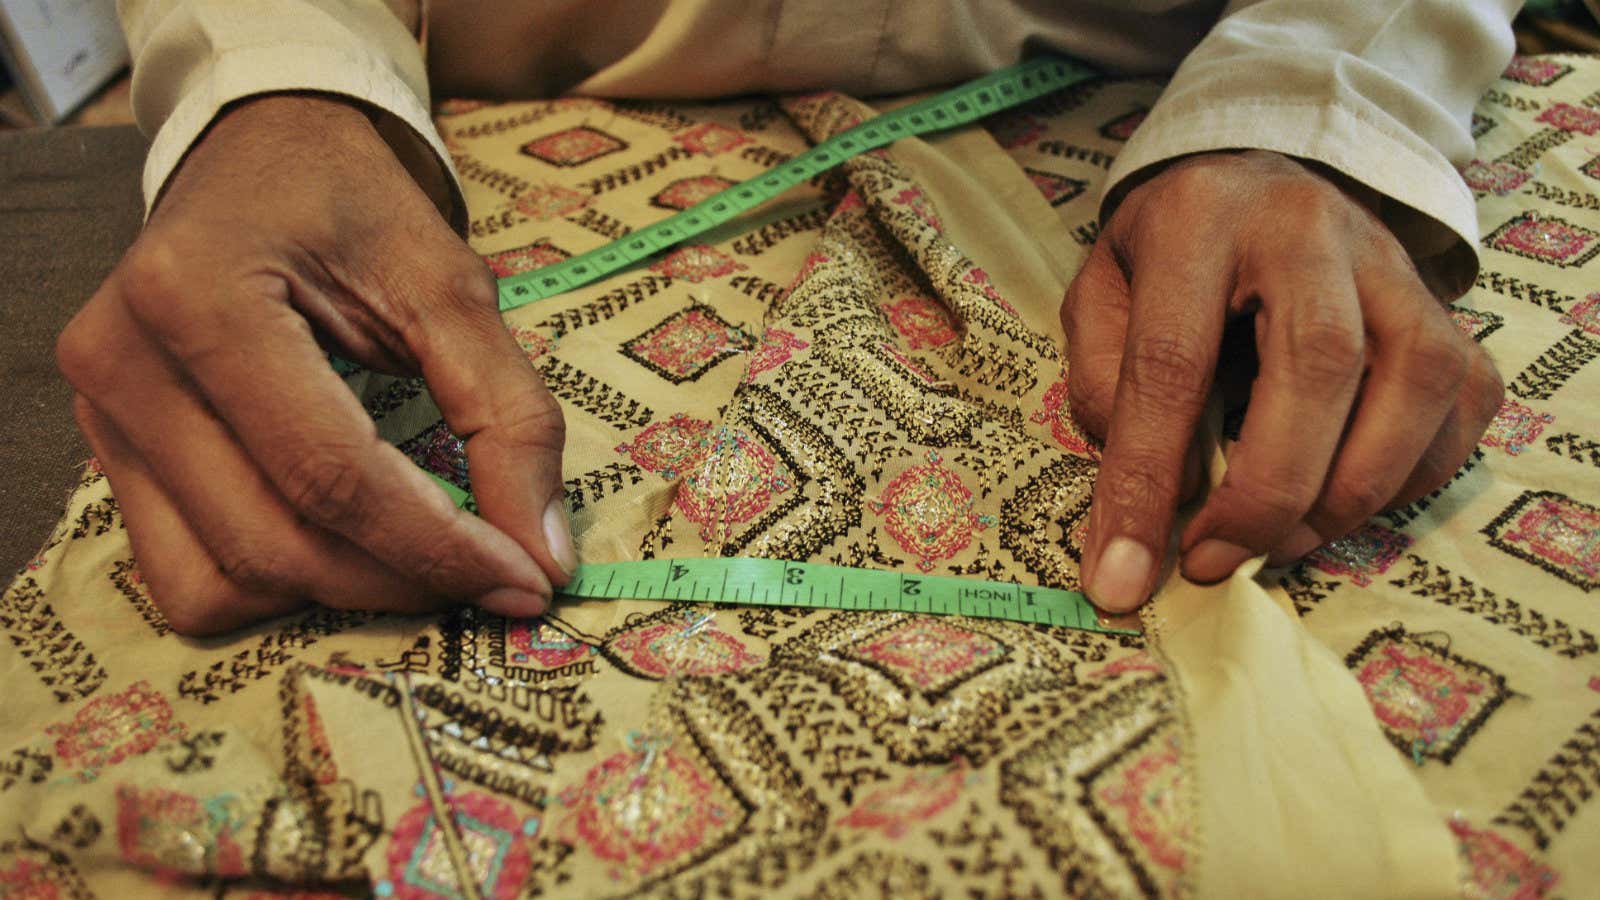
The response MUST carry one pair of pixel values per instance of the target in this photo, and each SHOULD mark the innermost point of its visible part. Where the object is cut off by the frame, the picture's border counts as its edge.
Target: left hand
(1367, 395)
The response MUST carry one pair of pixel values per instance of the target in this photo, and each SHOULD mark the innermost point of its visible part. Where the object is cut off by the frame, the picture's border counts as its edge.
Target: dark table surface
(69, 206)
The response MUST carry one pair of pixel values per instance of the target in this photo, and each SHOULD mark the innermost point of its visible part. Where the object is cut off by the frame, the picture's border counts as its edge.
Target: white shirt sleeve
(1381, 90)
(191, 58)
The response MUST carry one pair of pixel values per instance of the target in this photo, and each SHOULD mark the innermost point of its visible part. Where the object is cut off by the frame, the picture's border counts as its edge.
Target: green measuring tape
(958, 106)
(776, 582)
(771, 582)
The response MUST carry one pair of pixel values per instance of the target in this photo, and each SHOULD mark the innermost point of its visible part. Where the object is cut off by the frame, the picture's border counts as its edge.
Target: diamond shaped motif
(1546, 239)
(1476, 323)
(1428, 700)
(1584, 314)
(492, 837)
(1554, 532)
(1122, 127)
(928, 511)
(573, 147)
(550, 201)
(649, 808)
(536, 255)
(710, 139)
(1498, 868)
(670, 448)
(1057, 189)
(1515, 427)
(928, 656)
(735, 483)
(686, 192)
(1567, 117)
(1535, 71)
(1496, 178)
(687, 344)
(1362, 554)
(696, 263)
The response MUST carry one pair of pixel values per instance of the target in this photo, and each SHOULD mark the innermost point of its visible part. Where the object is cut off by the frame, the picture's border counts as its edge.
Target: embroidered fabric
(867, 373)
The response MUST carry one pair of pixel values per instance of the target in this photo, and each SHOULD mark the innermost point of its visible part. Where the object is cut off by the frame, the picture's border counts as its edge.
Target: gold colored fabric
(868, 372)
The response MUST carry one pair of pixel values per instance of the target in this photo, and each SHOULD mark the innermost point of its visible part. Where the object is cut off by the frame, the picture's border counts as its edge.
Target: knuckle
(1436, 366)
(327, 488)
(472, 285)
(1328, 350)
(151, 278)
(1137, 490)
(1088, 401)
(537, 424)
(253, 567)
(82, 358)
(1165, 371)
(1349, 501)
(1268, 501)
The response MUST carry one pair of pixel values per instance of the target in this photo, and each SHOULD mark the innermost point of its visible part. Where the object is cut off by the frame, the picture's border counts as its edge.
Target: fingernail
(1213, 560)
(1122, 575)
(514, 602)
(558, 536)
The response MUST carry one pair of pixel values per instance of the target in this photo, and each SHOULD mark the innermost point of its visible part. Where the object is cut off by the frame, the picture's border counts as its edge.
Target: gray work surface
(69, 206)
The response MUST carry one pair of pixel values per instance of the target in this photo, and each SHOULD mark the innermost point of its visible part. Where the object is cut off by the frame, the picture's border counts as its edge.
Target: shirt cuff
(250, 71)
(1426, 204)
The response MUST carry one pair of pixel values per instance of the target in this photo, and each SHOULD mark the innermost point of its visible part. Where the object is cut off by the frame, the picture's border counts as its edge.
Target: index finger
(256, 362)
(1175, 325)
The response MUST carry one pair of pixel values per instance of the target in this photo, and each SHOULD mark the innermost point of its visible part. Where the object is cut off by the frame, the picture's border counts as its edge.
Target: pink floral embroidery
(536, 255)
(572, 147)
(533, 642)
(107, 730)
(1567, 117)
(1546, 239)
(1146, 790)
(735, 483)
(923, 322)
(687, 344)
(1138, 661)
(550, 201)
(534, 344)
(646, 809)
(1496, 178)
(1515, 427)
(1499, 868)
(774, 350)
(686, 192)
(920, 796)
(1014, 129)
(696, 263)
(670, 448)
(691, 647)
(710, 139)
(981, 278)
(928, 654)
(1367, 552)
(1562, 533)
(929, 512)
(1585, 314)
(490, 832)
(1056, 411)
(1535, 71)
(170, 832)
(920, 206)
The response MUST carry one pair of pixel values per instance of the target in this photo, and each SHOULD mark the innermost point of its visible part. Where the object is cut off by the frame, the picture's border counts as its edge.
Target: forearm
(193, 58)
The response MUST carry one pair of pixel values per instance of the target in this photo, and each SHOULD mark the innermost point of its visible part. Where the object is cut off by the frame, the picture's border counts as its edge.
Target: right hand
(251, 480)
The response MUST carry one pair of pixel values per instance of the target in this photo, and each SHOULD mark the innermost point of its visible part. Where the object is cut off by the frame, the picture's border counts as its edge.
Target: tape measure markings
(775, 582)
(959, 106)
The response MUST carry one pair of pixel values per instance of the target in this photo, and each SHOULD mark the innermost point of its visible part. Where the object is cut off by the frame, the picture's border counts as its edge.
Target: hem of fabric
(255, 71)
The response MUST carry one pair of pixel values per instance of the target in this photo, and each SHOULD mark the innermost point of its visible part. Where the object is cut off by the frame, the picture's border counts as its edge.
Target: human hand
(251, 480)
(1367, 396)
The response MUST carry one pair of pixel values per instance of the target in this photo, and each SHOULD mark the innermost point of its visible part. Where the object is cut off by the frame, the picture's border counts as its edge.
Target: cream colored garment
(1381, 91)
